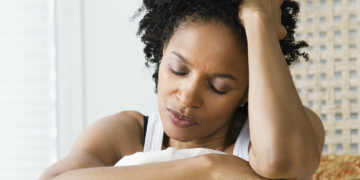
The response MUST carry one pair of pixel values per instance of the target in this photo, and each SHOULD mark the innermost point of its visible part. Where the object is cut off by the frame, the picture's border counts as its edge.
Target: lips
(180, 120)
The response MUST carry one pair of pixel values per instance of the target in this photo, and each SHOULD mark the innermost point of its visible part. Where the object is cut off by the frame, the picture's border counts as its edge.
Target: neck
(215, 143)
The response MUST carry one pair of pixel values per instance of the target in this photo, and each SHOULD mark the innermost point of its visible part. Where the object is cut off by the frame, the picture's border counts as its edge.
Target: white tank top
(155, 132)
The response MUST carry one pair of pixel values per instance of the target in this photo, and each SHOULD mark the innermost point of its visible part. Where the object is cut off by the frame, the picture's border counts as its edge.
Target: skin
(207, 49)
(286, 137)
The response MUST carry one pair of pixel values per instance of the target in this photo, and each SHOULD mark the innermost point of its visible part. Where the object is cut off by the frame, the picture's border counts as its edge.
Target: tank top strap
(242, 142)
(154, 133)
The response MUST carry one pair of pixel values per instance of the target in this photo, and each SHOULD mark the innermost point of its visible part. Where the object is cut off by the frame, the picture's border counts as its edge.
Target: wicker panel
(330, 80)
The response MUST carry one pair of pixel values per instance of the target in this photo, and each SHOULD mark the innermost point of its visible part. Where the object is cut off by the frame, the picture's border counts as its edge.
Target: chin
(178, 136)
(177, 133)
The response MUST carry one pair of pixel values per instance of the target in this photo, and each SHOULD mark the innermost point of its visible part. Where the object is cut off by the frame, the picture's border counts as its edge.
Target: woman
(219, 64)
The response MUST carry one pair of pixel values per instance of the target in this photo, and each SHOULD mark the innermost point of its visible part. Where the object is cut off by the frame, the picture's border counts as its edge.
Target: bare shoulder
(112, 137)
(103, 143)
(128, 116)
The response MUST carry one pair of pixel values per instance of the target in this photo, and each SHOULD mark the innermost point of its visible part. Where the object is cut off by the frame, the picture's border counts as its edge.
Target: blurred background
(63, 65)
(66, 63)
(329, 82)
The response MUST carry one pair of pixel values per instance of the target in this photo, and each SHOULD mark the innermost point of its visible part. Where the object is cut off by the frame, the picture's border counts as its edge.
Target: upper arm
(111, 137)
(102, 144)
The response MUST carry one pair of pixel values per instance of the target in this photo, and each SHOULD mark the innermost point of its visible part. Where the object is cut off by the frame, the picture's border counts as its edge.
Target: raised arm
(105, 142)
(287, 138)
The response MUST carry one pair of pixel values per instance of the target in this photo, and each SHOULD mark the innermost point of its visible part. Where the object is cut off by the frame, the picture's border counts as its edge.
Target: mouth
(180, 120)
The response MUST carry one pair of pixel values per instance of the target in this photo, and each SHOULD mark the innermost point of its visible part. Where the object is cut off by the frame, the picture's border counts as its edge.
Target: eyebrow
(181, 57)
(221, 75)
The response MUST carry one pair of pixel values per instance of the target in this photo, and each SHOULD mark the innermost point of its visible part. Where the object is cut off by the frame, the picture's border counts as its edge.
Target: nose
(189, 94)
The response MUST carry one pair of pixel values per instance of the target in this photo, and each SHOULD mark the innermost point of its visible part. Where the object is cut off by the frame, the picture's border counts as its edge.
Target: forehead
(209, 45)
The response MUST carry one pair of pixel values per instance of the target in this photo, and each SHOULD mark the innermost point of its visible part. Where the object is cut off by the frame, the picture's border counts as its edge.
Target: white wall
(28, 142)
(116, 77)
(101, 67)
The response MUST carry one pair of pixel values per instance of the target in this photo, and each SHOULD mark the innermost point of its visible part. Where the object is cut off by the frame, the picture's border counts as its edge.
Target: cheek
(221, 108)
(220, 103)
(165, 85)
(166, 80)
(163, 79)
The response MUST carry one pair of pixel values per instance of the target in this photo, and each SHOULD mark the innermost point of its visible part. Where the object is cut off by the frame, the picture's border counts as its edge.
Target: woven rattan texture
(329, 82)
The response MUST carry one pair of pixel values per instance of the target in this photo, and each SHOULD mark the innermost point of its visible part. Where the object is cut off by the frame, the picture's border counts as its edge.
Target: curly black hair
(163, 17)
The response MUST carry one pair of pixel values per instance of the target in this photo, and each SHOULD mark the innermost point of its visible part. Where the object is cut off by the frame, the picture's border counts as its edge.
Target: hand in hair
(269, 8)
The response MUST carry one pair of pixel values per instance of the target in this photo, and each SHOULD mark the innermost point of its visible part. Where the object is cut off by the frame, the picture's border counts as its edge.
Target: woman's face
(213, 79)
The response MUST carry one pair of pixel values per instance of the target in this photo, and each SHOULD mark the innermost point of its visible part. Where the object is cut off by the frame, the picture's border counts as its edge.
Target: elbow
(289, 167)
(299, 161)
(280, 170)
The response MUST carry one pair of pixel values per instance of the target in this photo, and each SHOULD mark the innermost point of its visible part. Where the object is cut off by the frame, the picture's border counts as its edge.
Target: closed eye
(178, 74)
(211, 86)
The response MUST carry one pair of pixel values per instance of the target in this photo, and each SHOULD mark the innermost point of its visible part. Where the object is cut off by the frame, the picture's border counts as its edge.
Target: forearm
(278, 121)
(191, 168)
